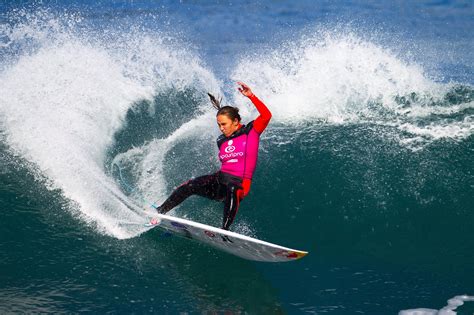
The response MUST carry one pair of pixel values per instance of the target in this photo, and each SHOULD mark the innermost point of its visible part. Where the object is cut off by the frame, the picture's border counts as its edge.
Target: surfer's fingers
(243, 85)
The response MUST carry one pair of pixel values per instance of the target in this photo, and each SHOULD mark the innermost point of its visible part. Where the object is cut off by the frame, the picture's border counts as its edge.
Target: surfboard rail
(231, 242)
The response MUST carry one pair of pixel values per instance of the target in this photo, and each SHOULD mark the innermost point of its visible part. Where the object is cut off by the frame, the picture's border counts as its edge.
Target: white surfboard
(231, 242)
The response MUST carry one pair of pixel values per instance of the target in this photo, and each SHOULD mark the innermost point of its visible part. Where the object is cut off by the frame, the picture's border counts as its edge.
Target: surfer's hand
(240, 194)
(244, 89)
(246, 186)
(154, 221)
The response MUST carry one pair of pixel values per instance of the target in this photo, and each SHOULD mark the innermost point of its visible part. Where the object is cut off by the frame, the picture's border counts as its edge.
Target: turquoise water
(367, 163)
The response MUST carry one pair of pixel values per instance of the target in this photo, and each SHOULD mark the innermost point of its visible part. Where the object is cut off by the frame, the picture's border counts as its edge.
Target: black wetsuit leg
(217, 186)
(231, 205)
(206, 186)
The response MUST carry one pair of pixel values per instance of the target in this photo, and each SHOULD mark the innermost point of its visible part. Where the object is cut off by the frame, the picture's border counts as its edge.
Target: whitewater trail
(62, 103)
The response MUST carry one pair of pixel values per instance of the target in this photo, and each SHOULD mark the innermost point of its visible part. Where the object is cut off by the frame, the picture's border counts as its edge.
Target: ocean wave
(339, 78)
(67, 92)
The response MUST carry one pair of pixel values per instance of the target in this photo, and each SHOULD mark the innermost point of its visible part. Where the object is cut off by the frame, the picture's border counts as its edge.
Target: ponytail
(229, 111)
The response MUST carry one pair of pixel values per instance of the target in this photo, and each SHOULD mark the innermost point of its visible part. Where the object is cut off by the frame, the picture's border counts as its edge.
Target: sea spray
(343, 79)
(64, 99)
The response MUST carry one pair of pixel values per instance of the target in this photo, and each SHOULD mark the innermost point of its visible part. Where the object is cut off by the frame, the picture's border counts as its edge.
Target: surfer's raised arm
(265, 115)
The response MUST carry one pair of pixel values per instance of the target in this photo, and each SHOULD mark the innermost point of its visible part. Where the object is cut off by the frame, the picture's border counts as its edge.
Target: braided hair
(229, 111)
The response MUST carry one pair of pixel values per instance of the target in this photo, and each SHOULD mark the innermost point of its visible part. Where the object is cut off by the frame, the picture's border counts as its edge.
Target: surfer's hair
(229, 111)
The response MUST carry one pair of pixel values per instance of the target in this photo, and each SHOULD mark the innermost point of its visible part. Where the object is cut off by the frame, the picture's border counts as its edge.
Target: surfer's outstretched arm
(265, 115)
(260, 123)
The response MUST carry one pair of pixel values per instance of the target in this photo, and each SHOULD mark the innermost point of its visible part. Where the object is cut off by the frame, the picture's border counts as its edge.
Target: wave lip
(331, 77)
(343, 79)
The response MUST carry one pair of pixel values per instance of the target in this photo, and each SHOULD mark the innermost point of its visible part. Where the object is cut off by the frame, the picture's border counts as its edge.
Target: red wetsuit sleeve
(246, 185)
(241, 193)
(265, 115)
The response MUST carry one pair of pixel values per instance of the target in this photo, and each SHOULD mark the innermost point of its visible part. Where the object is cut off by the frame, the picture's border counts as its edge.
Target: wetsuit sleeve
(265, 115)
(246, 182)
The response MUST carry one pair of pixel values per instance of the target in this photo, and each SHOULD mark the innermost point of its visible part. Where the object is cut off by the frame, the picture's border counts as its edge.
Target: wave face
(367, 162)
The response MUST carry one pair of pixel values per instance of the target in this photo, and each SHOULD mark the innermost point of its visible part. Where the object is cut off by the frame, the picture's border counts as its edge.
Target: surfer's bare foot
(154, 221)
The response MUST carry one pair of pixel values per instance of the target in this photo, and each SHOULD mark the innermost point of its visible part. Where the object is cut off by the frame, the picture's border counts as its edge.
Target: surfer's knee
(186, 188)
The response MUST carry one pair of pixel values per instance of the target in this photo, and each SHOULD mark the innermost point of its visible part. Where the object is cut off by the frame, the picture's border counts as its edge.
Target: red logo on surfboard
(210, 234)
(287, 254)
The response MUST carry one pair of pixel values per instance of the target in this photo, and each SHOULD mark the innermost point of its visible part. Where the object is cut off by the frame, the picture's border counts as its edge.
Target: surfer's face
(227, 125)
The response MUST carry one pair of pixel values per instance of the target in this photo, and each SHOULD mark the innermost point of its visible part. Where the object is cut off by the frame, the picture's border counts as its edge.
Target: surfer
(238, 152)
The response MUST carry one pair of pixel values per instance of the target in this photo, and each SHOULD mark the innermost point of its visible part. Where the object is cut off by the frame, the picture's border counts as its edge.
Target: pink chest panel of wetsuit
(239, 154)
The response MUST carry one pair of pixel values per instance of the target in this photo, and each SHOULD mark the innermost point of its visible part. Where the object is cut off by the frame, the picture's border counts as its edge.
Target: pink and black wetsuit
(238, 154)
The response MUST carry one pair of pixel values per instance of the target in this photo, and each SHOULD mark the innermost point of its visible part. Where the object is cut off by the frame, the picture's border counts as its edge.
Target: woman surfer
(238, 152)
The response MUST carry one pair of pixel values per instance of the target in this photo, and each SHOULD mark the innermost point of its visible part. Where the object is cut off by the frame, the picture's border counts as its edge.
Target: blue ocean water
(367, 163)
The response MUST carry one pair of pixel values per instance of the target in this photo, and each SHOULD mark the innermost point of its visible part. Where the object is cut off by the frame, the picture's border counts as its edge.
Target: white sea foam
(343, 79)
(449, 309)
(147, 163)
(332, 77)
(64, 96)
